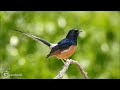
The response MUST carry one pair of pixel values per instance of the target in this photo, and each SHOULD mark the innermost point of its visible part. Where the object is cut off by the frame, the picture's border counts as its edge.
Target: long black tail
(34, 37)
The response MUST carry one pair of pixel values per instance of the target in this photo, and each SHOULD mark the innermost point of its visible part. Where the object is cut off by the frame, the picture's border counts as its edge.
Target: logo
(6, 74)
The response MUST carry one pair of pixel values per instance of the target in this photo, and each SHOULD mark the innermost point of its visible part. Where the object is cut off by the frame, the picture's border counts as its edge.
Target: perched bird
(64, 48)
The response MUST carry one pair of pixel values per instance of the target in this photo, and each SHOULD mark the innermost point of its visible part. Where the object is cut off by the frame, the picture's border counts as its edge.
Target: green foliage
(98, 49)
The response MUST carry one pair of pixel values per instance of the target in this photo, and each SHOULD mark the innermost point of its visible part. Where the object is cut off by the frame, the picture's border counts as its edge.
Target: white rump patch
(53, 45)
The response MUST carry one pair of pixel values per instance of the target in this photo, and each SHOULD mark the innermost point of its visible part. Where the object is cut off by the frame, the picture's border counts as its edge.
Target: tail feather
(34, 37)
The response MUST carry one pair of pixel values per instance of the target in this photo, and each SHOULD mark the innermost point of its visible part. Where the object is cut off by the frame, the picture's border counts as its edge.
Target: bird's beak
(80, 31)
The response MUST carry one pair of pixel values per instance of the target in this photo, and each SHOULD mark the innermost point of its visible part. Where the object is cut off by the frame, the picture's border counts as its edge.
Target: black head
(73, 34)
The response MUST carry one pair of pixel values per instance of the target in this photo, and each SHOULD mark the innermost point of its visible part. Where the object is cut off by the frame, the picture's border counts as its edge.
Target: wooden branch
(65, 68)
(61, 73)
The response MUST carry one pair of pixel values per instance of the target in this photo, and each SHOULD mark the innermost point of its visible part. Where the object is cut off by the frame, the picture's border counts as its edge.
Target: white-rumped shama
(63, 49)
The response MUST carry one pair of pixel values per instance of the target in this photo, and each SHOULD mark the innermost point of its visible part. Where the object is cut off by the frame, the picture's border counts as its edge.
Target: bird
(64, 48)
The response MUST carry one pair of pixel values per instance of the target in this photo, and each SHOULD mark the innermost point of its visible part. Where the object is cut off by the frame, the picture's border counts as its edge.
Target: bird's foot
(67, 61)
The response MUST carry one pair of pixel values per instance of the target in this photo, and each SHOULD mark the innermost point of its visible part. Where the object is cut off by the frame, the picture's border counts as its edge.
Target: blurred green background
(98, 49)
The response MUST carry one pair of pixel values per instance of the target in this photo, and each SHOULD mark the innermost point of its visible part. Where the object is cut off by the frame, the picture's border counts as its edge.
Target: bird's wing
(62, 45)
(65, 43)
(55, 50)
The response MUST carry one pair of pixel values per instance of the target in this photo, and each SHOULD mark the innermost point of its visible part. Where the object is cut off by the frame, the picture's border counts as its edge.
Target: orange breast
(66, 53)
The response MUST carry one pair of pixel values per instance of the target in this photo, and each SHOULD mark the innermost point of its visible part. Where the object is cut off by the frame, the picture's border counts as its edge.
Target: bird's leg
(64, 62)
(67, 60)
